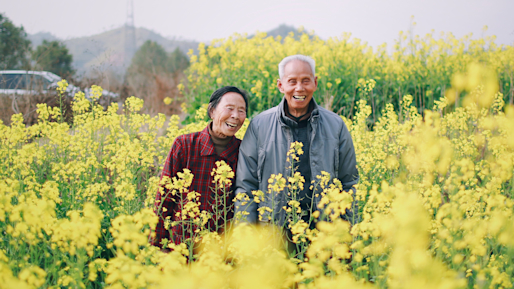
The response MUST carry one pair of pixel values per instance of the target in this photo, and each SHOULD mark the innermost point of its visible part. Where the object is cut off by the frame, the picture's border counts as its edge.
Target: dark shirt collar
(293, 123)
(220, 144)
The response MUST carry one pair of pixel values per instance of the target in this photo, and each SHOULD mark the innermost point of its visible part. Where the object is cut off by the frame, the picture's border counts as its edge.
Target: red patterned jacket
(195, 152)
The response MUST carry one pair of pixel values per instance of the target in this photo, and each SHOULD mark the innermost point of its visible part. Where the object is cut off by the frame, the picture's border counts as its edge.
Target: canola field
(435, 199)
(421, 66)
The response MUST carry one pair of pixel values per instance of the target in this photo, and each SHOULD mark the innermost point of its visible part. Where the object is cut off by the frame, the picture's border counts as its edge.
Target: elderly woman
(199, 152)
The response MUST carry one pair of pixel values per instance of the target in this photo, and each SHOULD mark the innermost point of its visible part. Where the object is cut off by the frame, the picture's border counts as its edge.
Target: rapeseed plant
(434, 202)
(350, 70)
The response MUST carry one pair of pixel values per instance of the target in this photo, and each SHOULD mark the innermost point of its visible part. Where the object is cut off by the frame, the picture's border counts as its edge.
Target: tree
(54, 56)
(14, 45)
(151, 58)
(177, 61)
(154, 75)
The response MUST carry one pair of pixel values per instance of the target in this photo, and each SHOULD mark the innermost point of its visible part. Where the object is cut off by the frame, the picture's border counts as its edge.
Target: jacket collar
(286, 121)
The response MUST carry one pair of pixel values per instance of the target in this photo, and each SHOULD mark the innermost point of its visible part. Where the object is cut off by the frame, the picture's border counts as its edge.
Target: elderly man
(327, 145)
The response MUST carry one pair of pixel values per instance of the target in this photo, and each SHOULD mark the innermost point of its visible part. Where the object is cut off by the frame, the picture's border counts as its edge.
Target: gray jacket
(263, 152)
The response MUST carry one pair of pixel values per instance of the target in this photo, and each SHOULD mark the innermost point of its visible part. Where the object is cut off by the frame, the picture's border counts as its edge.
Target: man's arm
(246, 176)
(348, 173)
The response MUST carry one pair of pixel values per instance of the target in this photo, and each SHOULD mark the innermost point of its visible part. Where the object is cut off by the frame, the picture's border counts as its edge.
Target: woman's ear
(209, 111)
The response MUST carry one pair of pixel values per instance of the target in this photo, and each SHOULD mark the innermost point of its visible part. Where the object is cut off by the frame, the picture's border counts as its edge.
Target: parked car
(22, 90)
(27, 82)
(23, 82)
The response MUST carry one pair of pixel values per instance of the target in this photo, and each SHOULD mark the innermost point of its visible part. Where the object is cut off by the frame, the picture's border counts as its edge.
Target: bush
(27, 106)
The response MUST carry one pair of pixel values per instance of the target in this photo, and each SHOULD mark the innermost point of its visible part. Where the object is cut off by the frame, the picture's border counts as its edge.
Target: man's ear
(279, 85)
(316, 81)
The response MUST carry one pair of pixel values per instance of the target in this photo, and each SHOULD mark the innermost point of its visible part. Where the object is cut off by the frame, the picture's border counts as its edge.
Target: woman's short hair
(218, 94)
(304, 58)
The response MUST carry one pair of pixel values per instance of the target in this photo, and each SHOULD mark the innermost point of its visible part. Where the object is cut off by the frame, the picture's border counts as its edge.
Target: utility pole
(130, 34)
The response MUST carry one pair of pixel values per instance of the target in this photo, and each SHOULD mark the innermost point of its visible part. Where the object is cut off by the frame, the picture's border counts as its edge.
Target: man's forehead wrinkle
(293, 76)
(296, 74)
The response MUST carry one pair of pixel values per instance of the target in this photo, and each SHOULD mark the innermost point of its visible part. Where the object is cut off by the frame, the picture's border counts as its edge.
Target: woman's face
(229, 115)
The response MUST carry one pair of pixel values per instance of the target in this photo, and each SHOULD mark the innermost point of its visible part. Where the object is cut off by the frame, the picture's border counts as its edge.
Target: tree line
(153, 73)
(16, 52)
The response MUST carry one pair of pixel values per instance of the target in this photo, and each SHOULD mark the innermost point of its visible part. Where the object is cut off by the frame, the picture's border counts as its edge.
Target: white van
(27, 82)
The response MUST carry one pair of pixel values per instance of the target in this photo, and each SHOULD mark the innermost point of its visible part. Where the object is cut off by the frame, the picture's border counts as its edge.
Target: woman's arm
(164, 204)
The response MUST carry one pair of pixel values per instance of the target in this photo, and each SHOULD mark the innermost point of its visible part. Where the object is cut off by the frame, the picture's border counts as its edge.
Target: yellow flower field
(435, 202)
(348, 69)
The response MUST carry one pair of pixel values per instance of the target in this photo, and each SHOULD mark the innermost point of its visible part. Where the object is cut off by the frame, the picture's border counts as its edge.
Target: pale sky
(373, 21)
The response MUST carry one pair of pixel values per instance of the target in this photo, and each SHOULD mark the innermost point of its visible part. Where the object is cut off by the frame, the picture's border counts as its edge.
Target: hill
(283, 30)
(38, 38)
(106, 50)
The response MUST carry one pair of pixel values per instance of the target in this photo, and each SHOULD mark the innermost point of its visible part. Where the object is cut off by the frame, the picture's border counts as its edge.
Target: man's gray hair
(307, 59)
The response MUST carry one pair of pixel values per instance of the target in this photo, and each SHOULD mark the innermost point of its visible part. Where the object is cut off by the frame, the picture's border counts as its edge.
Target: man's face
(298, 85)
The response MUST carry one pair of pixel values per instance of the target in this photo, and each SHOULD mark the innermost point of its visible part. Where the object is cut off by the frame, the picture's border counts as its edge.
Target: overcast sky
(374, 21)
